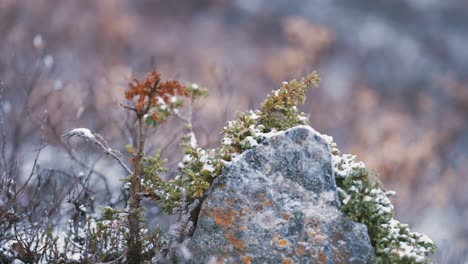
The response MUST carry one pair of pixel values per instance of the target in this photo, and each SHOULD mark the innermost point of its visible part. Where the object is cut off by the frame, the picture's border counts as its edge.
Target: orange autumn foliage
(151, 90)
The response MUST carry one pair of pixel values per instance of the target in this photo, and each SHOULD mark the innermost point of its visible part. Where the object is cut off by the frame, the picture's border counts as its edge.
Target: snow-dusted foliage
(200, 167)
(362, 196)
(364, 200)
(120, 234)
(83, 133)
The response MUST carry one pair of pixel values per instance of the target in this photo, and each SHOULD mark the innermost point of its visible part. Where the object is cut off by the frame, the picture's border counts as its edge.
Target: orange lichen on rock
(223, 218)
(316, 235)
(219, 260)
(275, 237)
(282, 243)
(235, 241)
(285, 216)
(287, 261)
(279, 242)
(300, 250)
(322, 258)
(247, 259)
(267, 203)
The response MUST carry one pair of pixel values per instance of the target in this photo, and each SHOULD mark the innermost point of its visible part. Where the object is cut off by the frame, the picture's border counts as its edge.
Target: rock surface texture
(277, 203)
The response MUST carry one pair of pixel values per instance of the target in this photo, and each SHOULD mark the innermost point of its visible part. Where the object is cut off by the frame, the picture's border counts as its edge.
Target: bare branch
(115, 260)
(97, 139)
(129, 108)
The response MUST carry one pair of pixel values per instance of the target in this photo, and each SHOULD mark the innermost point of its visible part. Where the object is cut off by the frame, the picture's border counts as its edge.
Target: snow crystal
(346, 199)
(328, 139)
(75, 256)
(406, 250)
(192, 140)
(425, 239)
(38, 41)
(173, 99)
(353, 189)
(203, 155)
(48, 61)
(58, 85)
(161, 103)
(253, 115)
(277, 133)
(346, 164)
(208, 167)
(6, 107)
(185, 252)
(82, 208)
(227, 141)
(302, 118)
(187, 158)
(92, 225)
(251, 141)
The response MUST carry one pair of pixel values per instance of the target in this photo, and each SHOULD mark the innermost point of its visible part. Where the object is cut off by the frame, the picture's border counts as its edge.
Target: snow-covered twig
(97, 139)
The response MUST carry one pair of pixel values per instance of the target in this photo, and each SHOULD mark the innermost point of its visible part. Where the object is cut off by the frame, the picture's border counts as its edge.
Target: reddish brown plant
(152, 89)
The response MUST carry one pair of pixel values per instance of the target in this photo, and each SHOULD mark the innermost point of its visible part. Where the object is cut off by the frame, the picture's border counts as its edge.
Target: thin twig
(112, 153)
(128, 107)
(115, 260)
(100, 142)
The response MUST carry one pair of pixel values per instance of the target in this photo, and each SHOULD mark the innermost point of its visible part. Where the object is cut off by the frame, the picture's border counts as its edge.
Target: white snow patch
(82, 132)
(425, 239)
(192, 140)
(227, 141)
(6, 107)
(48, 61)
(251, 141)
(38, 41)
(186, 254)
(253, 115)
(161, 103)
(58, 85)
(82, 208)
(208, 167)
(75, 256)
(302, 118)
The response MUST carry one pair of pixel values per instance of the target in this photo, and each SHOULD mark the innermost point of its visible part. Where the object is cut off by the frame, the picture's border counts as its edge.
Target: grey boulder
(277, 203)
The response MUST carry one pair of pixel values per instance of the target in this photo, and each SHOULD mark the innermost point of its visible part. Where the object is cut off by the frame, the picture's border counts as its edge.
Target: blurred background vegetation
(394, 88)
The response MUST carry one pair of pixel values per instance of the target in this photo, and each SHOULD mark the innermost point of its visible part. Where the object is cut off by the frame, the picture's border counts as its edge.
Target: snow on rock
(277, 203)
